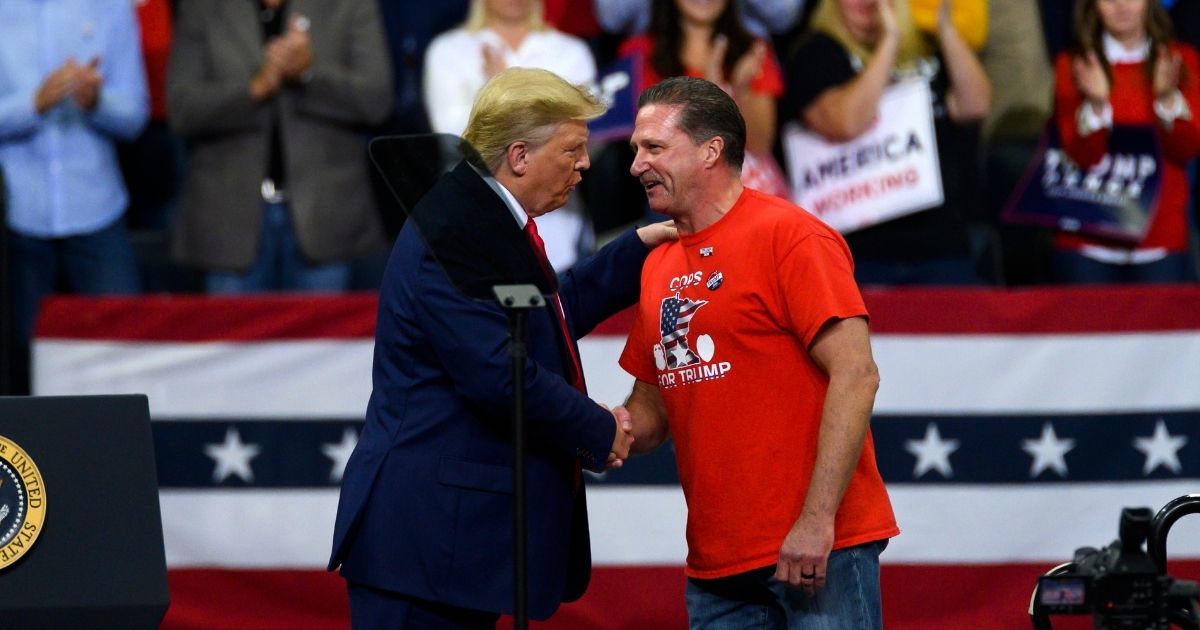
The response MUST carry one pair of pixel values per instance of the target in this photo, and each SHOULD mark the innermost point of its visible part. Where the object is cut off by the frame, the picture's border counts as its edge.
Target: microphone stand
(517, 300)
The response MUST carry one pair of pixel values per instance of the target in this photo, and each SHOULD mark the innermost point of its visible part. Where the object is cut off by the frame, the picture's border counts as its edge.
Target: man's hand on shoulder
(657, 233)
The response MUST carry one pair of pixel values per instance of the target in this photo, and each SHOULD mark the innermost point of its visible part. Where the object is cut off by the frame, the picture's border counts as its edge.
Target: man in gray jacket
(272, 97)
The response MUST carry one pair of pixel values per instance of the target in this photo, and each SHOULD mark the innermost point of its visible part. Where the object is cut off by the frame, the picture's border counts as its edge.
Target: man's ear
(518, 157)
(713, 150)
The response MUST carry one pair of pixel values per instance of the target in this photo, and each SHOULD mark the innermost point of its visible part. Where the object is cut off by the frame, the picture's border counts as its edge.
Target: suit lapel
(510, 248)
(473, 236)
(506, 245)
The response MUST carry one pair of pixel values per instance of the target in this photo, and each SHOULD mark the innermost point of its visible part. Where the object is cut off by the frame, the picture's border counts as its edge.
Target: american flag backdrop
(1011, 427)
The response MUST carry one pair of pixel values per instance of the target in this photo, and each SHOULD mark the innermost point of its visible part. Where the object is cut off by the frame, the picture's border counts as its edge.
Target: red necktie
(576, 378)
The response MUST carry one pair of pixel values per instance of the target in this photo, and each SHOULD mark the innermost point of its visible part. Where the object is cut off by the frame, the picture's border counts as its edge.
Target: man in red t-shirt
(751, 350)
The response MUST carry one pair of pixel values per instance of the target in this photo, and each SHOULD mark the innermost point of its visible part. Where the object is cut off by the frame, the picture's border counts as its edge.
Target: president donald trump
(423, 534)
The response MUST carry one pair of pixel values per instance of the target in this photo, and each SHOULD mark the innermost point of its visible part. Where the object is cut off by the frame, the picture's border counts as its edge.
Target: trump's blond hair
(524, 105)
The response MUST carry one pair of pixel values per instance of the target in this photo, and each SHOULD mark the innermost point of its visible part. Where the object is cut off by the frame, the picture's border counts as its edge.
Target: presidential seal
(22, 502)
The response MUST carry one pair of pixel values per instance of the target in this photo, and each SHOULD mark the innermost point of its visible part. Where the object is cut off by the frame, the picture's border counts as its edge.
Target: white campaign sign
(889, 171)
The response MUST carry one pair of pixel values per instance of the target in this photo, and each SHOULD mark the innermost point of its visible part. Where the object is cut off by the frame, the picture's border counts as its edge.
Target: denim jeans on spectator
(97, 263)
(279, 265)
(851, 598)
(1073, 268)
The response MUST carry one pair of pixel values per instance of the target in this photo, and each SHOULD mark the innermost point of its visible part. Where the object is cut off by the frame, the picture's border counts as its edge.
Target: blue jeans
(279, 265)
(1073, 268)
(755, 599)
(98, 263)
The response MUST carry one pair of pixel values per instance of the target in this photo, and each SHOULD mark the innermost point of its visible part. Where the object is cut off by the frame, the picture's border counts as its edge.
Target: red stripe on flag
(218, 599)
(197, 318)
(915, 597)
(893, 311)
(1034, 311)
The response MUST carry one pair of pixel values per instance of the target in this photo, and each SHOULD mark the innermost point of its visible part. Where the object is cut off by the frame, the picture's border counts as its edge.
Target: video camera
(1123, 586)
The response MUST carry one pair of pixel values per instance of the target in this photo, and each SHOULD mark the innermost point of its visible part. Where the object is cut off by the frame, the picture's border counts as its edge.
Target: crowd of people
(220, 145)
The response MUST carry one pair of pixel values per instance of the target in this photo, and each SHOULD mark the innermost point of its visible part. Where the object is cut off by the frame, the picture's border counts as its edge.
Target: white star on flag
(340, 452)
(932, 452)
(232, 457)
(1048, 451)
(1161, 449)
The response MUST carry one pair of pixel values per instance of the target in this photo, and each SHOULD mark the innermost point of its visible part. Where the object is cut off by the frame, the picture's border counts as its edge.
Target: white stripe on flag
(644, 525)
(1110, 373)
(950, 374)
(996, 374)
(965, 524)
(259, 380)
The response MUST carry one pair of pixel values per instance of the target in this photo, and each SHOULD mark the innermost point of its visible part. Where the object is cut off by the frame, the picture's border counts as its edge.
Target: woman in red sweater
(1126, 70)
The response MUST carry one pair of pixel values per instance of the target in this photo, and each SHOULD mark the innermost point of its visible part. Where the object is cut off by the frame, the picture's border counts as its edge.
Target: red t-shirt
(1132, 100)
(723, 327)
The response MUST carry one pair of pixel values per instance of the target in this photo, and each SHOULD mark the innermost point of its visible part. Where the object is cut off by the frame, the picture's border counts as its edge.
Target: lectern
(81, 528)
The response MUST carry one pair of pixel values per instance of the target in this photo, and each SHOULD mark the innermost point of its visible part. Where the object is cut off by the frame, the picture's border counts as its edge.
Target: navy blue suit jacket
(426, 501)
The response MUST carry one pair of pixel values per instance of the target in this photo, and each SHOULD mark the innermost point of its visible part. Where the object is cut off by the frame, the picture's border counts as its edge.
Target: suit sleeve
(603, 284)
(1084, 151)
(471, 341)
(352, 86)
(197, 103)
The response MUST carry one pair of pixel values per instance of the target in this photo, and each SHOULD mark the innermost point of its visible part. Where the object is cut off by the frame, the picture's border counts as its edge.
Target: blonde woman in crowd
(500, 34)
(835, 79)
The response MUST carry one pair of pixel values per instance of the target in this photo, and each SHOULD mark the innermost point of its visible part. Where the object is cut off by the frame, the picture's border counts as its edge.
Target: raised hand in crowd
(749, 66)
(87, 85)
(945, 12)
(267, 81)
(493, 61)
(57, 86)
(293, 51)
(1090, 79)
(889, 28)
(844, 112)
(970, 93)
(285, 59)
(744, 71)
(1166, 72)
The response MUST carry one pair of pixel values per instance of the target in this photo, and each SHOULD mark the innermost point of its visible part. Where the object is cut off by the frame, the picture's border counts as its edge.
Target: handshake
(623, 440)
